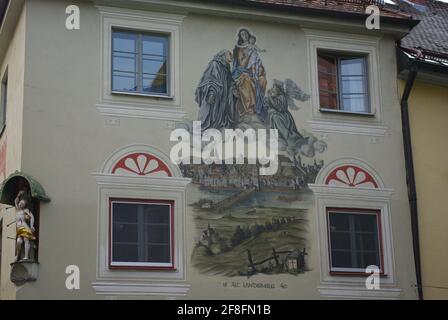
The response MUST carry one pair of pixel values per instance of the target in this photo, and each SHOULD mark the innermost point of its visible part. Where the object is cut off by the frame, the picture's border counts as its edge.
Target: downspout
(410, 176)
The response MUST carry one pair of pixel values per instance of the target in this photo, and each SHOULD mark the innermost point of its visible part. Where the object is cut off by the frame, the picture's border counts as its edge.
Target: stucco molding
(346, 123)
(328, 126)
(138, 105)
(135, 289)
(324, 172)
(111, 160)
(332, 196)
(346, 292)
(173, 188)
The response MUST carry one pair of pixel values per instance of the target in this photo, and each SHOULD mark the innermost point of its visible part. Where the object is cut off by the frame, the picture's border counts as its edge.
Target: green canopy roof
(11, 185)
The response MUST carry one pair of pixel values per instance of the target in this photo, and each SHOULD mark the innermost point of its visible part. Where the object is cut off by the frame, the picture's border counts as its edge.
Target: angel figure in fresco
(215, 94)
(249, 75)
(277, 102)
(24, 226)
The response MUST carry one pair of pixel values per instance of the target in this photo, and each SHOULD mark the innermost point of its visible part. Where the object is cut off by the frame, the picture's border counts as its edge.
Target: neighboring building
(89, 114)
(423, 58)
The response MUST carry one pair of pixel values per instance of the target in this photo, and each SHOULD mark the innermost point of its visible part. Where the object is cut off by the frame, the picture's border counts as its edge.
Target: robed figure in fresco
(249, 75)
(214, 94)
(277, 102)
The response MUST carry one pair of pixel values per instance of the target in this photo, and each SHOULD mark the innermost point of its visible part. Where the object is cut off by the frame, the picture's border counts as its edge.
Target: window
(4, 100)
(355, 239)
(343, 82)
(141, 234)
(140, 63)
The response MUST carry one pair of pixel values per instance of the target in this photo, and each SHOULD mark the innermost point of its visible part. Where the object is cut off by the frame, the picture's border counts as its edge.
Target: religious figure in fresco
(279, 98)
(24, 226)
(249, 75)
(247, 223)
(215, 94)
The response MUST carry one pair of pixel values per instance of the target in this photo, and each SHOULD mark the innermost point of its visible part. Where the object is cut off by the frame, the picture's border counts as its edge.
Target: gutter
(410, 174)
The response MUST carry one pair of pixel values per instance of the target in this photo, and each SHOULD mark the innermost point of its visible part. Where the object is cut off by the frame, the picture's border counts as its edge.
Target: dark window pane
(366, 241)
(341, 259)
(339, 222)
(340, 240)
(157, 234)
(159, 253)
(125, 253)
(124, 212)
(366, 223)
(157, 214)
(125, 232)
(368, 258)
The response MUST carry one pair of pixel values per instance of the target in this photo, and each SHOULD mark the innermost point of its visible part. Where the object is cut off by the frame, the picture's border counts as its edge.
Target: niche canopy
(15, 182)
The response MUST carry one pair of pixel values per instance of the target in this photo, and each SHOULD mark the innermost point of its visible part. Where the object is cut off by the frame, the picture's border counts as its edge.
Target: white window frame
(328, 196)
(141, 105)
(341, 121)
(138, 282)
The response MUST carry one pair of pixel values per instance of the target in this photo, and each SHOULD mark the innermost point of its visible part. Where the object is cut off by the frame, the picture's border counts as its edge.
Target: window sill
(364, 114)
(136, 288)
(144, 95)
(354, 274)
(159, 112)
(137, 268)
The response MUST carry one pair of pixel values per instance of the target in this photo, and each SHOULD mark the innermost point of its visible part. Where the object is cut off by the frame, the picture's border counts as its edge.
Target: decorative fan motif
(351, 176)
(141, 164)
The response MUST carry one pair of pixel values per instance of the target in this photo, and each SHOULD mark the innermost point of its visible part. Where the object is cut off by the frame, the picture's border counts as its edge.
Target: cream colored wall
(428, 129)
(14, 61)
(66, 139)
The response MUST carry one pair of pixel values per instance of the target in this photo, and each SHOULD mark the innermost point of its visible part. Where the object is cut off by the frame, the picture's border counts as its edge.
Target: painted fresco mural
(247, 223)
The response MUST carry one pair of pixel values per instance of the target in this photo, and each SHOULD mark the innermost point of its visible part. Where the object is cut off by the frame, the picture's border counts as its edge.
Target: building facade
(90, 115)
(424, 71)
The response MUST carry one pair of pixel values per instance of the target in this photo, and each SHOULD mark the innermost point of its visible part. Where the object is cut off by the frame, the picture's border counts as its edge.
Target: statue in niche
(25, 232)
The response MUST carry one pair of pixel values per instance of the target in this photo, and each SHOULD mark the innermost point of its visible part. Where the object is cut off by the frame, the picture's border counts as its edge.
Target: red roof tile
(346, 6)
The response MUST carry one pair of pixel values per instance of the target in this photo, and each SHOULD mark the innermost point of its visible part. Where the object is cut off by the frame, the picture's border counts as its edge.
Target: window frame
(335, 271)
(139, 62)
(141, 265)
(338, 56)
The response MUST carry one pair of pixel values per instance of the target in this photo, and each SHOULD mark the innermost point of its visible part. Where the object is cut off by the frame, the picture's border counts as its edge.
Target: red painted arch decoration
(141, 164)
(351, 176)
